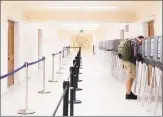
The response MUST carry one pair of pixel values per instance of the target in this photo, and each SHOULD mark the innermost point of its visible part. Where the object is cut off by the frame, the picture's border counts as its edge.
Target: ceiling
(79, 12)
(123, 6)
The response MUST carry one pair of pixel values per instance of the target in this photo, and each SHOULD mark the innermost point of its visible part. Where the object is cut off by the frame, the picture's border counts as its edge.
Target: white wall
(135, 29)
(113, 31)
(152, 13)
(26, 43)
(4, 54)
(147, 14)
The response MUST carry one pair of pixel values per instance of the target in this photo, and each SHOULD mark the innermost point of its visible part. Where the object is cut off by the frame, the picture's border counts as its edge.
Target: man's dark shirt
(136, 50)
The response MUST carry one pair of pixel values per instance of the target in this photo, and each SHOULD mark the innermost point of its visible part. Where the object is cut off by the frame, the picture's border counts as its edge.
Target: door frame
(16, 46)
(13, 44)
(153, 26)
(145, 24)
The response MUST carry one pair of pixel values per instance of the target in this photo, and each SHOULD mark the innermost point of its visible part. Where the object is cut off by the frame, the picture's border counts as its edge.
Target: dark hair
(140, 37)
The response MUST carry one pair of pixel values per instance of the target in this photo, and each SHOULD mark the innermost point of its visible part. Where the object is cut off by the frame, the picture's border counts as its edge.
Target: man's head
(140, 39)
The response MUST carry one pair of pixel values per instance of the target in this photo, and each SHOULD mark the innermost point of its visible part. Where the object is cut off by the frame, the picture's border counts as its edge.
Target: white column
(40, 45)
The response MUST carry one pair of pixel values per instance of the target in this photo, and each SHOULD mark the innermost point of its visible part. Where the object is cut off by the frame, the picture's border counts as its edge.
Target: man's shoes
(131, 96)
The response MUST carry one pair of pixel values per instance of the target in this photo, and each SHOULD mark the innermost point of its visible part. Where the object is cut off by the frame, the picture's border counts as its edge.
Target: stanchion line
(60, 101)
(32, 63)
(16, 70)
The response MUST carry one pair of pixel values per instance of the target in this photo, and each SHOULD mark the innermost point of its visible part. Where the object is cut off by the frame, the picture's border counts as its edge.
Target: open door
(10, 52)
(151, 28)
(150, 33)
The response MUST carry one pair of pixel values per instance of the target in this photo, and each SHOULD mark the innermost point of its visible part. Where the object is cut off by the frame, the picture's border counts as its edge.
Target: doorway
(10, 52)
(150, 33)
(122, 34)
(151, 28)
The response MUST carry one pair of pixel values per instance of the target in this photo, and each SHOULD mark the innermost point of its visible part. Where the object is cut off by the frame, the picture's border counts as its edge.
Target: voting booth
(145, 48)
(158, 54)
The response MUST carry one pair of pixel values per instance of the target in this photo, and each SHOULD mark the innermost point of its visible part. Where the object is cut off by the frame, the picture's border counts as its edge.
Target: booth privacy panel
(152, 49)
(158, 54)
(145, 48)
(112, 45)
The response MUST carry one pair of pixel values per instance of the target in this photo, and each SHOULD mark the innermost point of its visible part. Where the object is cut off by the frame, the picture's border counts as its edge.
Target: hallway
(37, 35)
(97, 95)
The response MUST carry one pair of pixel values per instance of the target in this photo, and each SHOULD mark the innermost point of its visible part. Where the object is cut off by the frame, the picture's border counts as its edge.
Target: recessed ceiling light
(100, 8)
(57, 7)
(82, 8)
(81, 24)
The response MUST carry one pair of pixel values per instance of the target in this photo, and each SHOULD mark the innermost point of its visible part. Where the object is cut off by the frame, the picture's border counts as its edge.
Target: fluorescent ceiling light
(81, 24)
(100, 8)
(83, 8)
(57, 7)
(80, 28)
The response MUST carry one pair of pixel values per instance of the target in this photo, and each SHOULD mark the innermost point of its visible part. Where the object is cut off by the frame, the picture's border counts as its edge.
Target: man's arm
(135, 50)
(137, 54)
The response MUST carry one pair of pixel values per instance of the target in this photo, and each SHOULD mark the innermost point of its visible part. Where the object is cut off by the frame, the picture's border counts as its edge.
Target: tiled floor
(101, 94)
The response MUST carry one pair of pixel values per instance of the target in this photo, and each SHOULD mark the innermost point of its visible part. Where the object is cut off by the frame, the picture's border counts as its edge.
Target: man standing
(130, 66)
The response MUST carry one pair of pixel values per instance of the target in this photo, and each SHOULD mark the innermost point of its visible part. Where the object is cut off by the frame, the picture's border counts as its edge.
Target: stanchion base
(78, 89)
(80, 73)
(59, 72)
(80, 80)
(44, 92)
(52, 81)
(76, 102)
(26, 111)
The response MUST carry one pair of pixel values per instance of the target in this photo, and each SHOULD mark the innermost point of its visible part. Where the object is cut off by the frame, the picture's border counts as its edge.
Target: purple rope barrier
(32, 63)
(16, 70)
(56, 53)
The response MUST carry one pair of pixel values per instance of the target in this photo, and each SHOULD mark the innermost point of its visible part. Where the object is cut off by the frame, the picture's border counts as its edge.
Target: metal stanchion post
(53, 55)
(63, 58)
(69, 51)
(77, 78)
(93, 50)
(71, 102)
(74, 86)
(43, 91)
(78, 62)
(26, 110)
(63, 52)
(66, 51)
(65, 99)
(59, 72)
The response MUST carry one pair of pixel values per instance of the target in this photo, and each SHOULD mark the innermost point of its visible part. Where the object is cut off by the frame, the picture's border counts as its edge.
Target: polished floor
(102, 95)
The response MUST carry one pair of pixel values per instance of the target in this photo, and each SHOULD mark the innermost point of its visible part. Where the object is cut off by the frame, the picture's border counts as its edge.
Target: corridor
(45, 44)
(102, 95)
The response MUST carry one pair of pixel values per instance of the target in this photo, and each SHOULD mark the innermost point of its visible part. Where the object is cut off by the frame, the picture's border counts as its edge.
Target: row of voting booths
(152, 48)
(148, 83)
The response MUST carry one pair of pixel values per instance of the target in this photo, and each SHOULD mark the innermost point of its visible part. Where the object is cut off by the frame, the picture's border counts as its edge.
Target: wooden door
(150, 33)
(151, 28)
(10, 52)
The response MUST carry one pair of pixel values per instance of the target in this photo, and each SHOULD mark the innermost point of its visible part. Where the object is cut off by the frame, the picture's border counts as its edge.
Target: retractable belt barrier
(142, 82)
(72, 85)
(26, 110)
